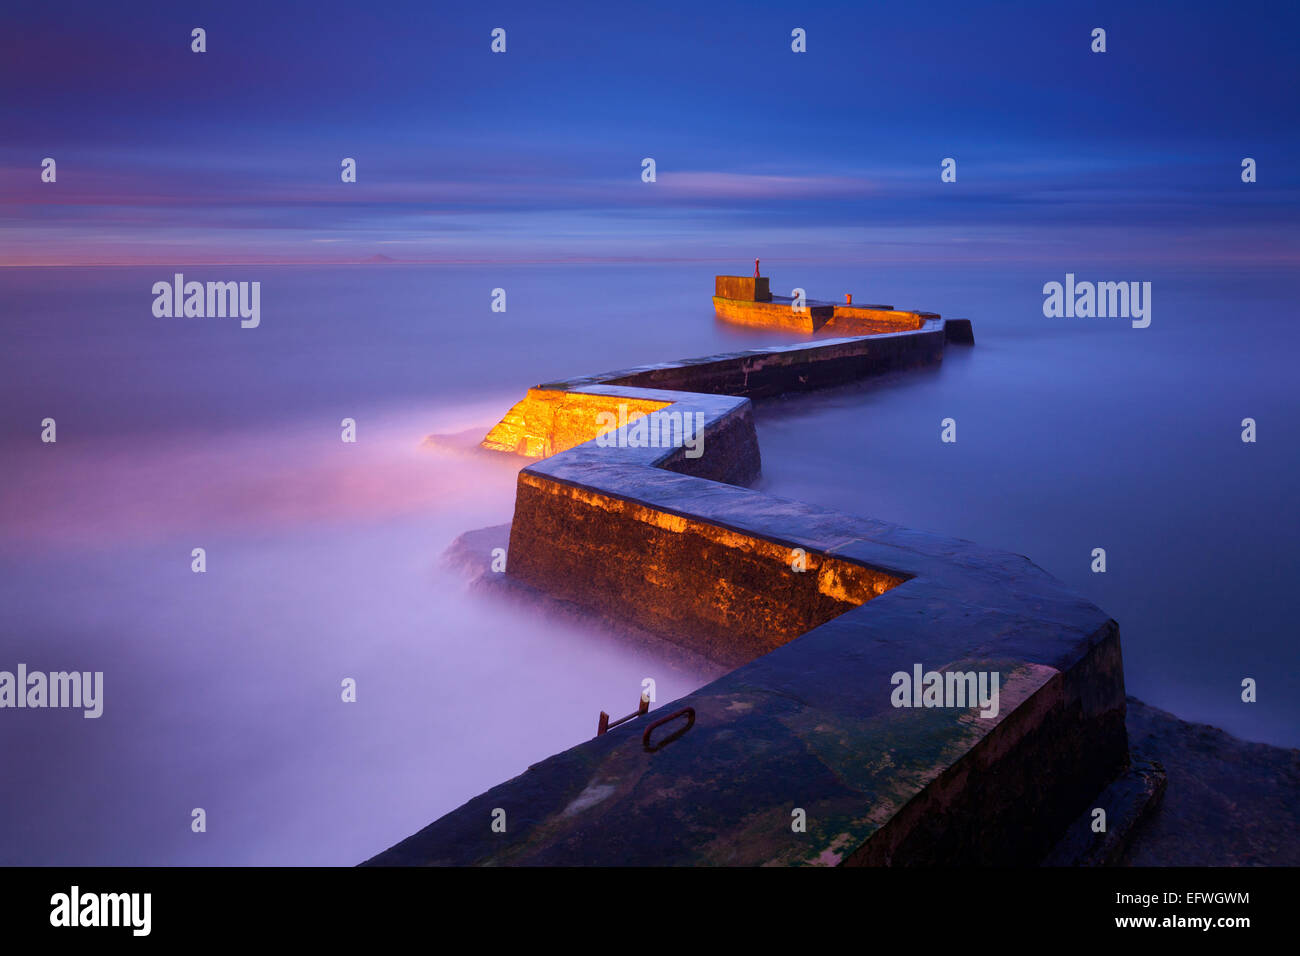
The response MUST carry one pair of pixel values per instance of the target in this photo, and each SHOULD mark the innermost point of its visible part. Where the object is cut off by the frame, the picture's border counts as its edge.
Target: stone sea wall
(817, 612)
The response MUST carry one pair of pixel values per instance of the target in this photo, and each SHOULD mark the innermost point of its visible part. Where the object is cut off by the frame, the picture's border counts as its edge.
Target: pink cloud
(723, 185)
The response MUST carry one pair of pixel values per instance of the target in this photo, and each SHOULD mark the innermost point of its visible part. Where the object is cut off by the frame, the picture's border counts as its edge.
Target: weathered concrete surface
(770, 314)
(547, 421)
(806, 722)
(751, 288)
(870, 320)
(728, 595)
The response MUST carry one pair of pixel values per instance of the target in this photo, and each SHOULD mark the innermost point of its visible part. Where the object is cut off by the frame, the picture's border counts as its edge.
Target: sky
(233, 155)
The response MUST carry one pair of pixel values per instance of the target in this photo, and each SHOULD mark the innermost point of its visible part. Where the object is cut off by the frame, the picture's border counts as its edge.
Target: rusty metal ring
(687, 712)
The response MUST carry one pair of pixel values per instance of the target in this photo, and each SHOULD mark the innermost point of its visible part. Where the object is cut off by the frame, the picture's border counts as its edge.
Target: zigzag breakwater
(801, 754)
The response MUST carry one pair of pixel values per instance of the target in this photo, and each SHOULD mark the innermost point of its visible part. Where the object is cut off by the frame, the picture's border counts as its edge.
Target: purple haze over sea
(222, 689)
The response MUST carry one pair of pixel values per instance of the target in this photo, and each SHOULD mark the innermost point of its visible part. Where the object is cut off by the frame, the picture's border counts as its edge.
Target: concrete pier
(817, 611)
(747, 300)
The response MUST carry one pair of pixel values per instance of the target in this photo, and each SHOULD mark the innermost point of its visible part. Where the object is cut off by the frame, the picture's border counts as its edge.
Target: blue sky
(233, 155)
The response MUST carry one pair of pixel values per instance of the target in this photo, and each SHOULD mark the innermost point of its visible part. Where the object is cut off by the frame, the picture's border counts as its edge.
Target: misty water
(222, 689)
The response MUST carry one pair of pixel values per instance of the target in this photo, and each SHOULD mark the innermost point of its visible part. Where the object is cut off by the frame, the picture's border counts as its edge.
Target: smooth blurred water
(223, 689)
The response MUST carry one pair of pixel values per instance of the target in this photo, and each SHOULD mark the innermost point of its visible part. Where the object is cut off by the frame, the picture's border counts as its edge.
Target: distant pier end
(748, 300)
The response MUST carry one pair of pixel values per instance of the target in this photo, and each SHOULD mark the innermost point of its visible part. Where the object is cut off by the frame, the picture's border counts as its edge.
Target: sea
(225, 736)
